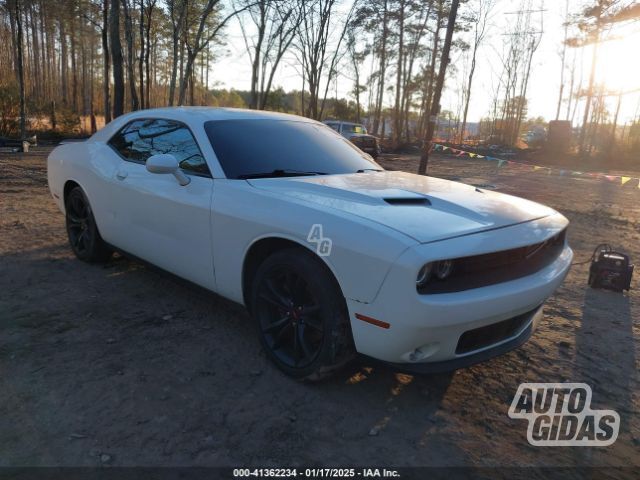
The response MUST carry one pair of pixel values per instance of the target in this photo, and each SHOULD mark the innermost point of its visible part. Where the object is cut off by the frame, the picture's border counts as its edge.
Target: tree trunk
(141, 59)
(14, 37)
(151, 5)
(20, 60)
(382, 70)
(523, 95)
(428, 99)
(612, 140)
(564, 55)
(186, 77)
(587, 105)
(64, 75)
(435, 106)
(176, 37)
(106, 72)
(467, 99)
(131, 77)
(116, 56)
(255, 66)
(571, 85)
(397, 124)
(36, 78)
(74, 69)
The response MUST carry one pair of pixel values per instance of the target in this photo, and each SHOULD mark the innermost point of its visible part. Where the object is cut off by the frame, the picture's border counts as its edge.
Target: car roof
(343, 122)
(188, 114)
(192, 116)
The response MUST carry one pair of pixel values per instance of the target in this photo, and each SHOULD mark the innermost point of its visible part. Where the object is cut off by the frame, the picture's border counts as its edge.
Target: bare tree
(414, 50)
(149, 11)
(336, 57)
(275, 23)
(106, 68)
(592, 25)
(356, 57)
(131, 77)
(177, 13)
(64, 56)
(481, 15)
(402, 10)
(15, 6)
(429, 71)
(116, 57)
(435, 106)
(572, 80)
(563, 57)
(313, 38)
(209, 27)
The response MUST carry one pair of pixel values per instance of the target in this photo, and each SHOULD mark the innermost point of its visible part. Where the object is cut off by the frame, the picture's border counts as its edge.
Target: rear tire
(84, 238)
(301, 315)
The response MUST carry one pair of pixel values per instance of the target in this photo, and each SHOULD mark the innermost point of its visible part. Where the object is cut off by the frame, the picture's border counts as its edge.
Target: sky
(618, 66)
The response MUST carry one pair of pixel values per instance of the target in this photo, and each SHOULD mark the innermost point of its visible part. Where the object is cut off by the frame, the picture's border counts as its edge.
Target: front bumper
(425, 331)
(471, 359)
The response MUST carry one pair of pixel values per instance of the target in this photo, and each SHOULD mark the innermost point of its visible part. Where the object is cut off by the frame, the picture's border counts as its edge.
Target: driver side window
(140, 139)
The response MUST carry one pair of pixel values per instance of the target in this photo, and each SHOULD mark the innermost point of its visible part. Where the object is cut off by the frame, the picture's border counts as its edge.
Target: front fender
(361, 251)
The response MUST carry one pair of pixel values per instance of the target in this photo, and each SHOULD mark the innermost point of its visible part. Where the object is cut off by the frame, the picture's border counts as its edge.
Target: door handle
(121, 174)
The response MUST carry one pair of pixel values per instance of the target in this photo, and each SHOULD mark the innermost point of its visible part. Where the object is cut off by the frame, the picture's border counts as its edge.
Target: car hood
(425, 208)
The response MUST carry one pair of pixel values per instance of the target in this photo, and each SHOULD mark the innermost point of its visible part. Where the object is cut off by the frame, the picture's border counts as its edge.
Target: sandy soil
(126, 365)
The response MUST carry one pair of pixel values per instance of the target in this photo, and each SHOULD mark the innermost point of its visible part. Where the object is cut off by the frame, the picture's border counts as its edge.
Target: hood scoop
(408, 201)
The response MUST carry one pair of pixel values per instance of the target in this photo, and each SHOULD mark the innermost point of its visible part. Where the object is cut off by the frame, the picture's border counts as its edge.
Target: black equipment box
(610, 270)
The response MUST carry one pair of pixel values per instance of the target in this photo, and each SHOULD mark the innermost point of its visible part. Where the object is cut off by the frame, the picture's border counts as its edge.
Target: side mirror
(167, 163)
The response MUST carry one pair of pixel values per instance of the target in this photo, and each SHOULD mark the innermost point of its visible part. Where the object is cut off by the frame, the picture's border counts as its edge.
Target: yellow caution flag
(624, 180)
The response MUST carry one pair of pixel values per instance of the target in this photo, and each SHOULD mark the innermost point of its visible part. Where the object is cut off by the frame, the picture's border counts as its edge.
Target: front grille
(488, 335)
(368, 142)
(498, 267)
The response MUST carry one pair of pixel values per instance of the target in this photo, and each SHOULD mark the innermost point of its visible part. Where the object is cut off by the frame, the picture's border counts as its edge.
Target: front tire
(301, 315)
(84, 238)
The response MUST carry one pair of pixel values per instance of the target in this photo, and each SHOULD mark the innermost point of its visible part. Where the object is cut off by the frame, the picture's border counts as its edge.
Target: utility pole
(435, 103)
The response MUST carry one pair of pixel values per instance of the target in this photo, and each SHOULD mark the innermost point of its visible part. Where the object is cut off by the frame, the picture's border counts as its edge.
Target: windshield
(254, 147)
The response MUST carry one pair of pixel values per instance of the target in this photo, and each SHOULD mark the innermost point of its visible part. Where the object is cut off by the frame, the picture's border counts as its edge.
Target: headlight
(423, 275)
(443, 269)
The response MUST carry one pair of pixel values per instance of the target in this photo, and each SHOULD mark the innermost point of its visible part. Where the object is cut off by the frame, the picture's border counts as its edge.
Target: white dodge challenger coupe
(330, 254)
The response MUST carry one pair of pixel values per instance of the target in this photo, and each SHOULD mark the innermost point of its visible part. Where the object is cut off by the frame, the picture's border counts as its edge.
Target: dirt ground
(125, 365)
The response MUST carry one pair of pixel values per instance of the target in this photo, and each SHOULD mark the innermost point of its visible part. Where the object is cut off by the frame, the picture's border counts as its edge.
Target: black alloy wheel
(301, 315)
(289, 317)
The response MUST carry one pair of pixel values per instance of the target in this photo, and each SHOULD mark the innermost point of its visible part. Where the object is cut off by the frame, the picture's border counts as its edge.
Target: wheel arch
(262, 248)
(68, 186)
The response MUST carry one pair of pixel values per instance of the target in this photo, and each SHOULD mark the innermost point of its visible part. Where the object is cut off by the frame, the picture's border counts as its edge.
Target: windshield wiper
(363, 170)
(279, 173)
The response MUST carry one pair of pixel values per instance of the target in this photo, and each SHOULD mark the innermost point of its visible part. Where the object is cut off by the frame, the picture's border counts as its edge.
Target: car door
(158, 219)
